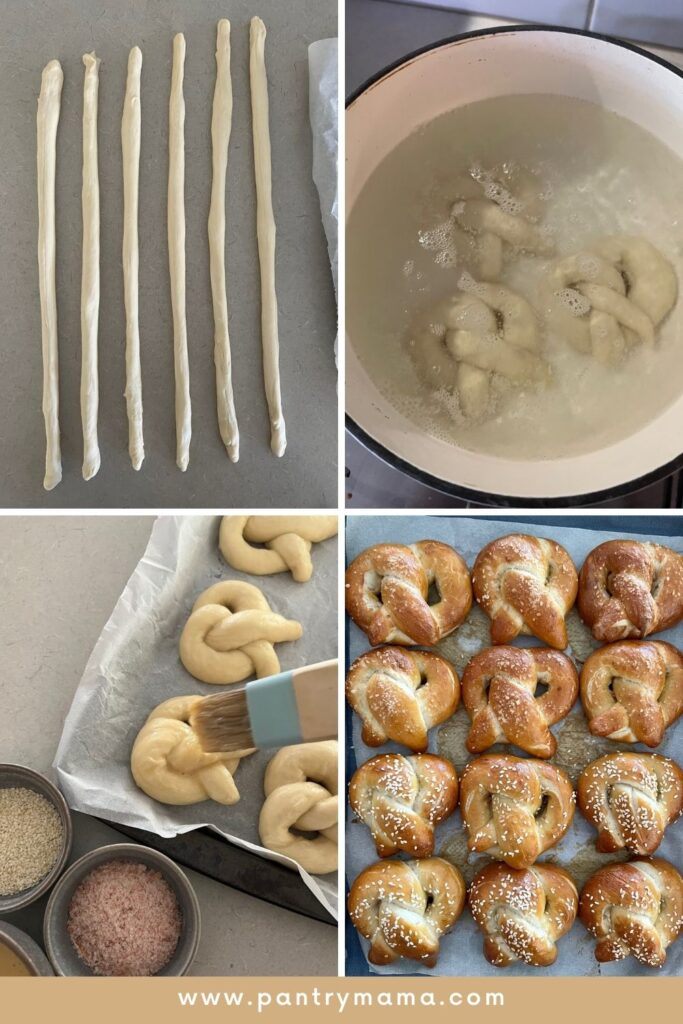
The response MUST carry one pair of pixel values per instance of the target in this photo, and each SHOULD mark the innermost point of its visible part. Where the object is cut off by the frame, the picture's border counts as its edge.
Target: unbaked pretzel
(632, 690)
(168, 763)
(403, 799)
(400, 695)
(525, 585)
(630, 588)
(300, 785)
(630, 798)
(230, 634)
(523, 912)
(499, 691)
(387, 589)
(514, 808)
(633, 909)
(404, 907)
(287, 539)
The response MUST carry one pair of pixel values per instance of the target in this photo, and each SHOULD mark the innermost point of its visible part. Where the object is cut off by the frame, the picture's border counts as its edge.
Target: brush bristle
(222, 722)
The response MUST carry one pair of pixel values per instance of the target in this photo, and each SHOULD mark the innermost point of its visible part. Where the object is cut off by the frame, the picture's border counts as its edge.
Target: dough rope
(265, 229)
(607, 299)
(176, 253)
(221, 122)
(287, 539)
(130, 146)
(90, 276)
(49, 103)
(168, 763)
(231, 632)
(300, 786)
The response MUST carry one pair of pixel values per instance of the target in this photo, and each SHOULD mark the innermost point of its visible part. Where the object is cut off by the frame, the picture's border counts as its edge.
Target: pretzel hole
(550, 572)
(543, 806)
(656, 585)
(433, 594)
(423, 680)
(541, 688)
(429, 901)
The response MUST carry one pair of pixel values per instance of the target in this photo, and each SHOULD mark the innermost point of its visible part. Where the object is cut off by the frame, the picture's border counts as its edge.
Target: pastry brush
(291, 707)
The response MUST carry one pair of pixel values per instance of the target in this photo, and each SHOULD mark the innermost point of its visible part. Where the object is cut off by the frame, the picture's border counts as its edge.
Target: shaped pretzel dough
(130, 146)
(90, 277)
(288, 541)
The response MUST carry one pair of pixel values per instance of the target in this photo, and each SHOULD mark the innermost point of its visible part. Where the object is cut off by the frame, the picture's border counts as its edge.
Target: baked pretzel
(402, 800)
(404, 907)
(523, 912)
(633, 909)
(168, 763)
(630, 588)
(514, 808)
(525, 585)
(630, 799)
(387, 588)
(287, 539)
(399, 695)
(499, 691)
(632, 690)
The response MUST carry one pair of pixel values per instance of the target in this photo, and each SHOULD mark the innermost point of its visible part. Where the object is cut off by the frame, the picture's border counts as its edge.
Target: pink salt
(124, 920)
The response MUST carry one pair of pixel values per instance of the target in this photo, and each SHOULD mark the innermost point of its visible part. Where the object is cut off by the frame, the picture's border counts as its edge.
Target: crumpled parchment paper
(323, 107)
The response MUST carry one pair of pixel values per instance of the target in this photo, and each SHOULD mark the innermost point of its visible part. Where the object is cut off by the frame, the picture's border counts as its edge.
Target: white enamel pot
(454, 73)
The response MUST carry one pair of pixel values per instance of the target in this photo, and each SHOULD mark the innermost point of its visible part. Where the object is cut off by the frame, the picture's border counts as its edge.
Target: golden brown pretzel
(400, 695)
(632, 690)
(514, 808)
(525, 585)
(387, 588)
(403, 799)
(404, 907)
(633, 909)
(630, 588)
(630, 798)
(523, 912)
(498, 690)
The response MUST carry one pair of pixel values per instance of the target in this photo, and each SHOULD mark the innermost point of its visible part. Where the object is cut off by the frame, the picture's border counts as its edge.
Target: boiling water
(599, 175)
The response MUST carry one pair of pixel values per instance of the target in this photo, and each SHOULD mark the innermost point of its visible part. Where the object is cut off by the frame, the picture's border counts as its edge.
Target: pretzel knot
(610, 298)
(399, 695)
(630, 588)
(402, 800)
(287, 539)
(514, 809)
(387, 589)
(404, 907)
(169, 764)
(301, 793)
(630, 799)
(499, 692)
(230, 634)
(633, 909)
(632, 690)
(523, 912)
(525, 585)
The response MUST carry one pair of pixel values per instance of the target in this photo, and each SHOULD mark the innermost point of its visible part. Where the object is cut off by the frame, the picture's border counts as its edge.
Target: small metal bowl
(28, 951)
(18, 776)
(58, 945)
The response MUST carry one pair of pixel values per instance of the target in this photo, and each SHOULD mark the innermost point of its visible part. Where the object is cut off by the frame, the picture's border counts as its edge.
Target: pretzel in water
(404, 907)
(499, 692)
(633, 690)
(403, 799)
(514, 808)
(523, 912)
(525, 585)
(633, 909)
(630, 798)
(630, 588)
(288, 541)
(387, 590)
(400, 695)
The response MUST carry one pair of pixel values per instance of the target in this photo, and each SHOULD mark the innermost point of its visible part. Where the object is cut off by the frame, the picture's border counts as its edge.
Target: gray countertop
(67, 573)
(33, 34)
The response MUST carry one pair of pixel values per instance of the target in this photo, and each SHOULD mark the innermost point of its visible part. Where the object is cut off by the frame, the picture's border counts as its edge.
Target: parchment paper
(461, 950)
(135, 666)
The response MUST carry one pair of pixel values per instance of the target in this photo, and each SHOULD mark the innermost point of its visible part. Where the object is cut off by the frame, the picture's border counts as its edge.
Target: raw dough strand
(90, 274)
(48, 119)
(130, 145)
(176, 253)
(265, 227)
(221, 123)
